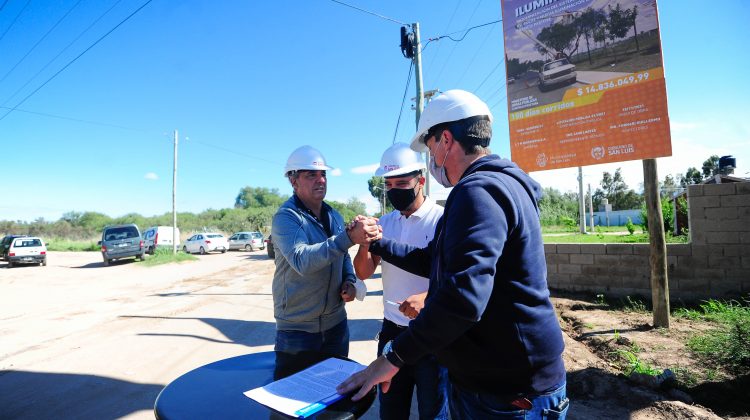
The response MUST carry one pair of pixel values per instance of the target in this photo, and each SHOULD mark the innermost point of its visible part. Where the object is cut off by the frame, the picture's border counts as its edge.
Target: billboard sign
(585, 82)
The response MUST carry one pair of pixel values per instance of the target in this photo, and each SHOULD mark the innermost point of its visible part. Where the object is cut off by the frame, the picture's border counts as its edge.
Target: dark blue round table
(215, 391)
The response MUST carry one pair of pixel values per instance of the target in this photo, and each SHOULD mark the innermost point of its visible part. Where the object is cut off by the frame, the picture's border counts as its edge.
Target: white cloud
(366, 169)
(680, 127)
(151, 176)
(335, 172)
(371, 203)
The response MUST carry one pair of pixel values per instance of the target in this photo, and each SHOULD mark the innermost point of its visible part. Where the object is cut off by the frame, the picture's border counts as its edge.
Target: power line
(15, 19)
(40, 41)
(76, 58)
(498, 90)
(445, 63)
(369, 12)
(481, 47)
(450, 21)
(502, 98)
(488, 76)
(403, 100)
(60, 53)
(61, 117)
(232, 151)
(467, 31)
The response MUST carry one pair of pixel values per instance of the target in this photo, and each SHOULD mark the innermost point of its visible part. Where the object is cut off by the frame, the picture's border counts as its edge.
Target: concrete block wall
(715, 264)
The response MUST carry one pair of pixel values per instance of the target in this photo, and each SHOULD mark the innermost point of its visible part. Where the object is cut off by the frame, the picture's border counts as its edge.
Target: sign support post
(658, 245)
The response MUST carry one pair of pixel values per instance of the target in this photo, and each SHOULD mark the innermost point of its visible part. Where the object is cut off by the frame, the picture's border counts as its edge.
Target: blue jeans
(334, 341)
(430, 379)
(469, 405)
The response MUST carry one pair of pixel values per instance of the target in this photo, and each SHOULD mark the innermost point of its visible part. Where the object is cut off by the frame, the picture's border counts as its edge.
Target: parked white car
(249, 241)
(557, 72)
(159, 237)
(206, 242)
(27, 250)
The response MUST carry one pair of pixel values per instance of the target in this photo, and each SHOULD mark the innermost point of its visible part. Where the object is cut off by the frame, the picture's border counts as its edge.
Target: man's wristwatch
(392, 356)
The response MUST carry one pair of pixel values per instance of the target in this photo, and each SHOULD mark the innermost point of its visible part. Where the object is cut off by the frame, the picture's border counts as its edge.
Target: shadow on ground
(45, 395)
(726, 398)
(256, 333)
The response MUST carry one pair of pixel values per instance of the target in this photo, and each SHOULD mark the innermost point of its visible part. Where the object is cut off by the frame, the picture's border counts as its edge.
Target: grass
(626, 304)
(728, 345)
(68, 245)
(598, 238)
(634, 364)
(566, 229)
(165, 256)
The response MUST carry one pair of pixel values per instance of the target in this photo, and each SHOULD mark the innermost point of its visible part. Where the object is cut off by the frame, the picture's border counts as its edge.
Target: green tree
(587, 23)
(350, 209)
(616, 191)
(692, 176)
(376, 185)
(710, 166)
(558, 209)
(633, 15)
(667, 212)
(259, 197)
(559, 36)
(618, 24)
(668, 187)
(95, 221)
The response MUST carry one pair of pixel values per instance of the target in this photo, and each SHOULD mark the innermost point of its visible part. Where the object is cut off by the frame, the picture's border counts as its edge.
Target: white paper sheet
(308, 391)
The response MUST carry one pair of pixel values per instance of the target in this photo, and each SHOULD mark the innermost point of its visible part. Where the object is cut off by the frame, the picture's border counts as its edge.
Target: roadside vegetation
(703, 357)
(601, 238)
(58, 244)
(165, 256)
(728, 343)
(253, 209)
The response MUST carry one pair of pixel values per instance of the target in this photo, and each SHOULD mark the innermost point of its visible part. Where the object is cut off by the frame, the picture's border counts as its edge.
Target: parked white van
(159, 236)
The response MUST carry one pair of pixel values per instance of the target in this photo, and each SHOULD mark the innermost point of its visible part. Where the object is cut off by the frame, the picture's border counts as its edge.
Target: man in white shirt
(412, 222)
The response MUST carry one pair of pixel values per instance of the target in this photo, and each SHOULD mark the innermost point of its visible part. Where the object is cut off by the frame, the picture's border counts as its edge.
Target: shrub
(630, 226)
(728, 345)
(667, 212)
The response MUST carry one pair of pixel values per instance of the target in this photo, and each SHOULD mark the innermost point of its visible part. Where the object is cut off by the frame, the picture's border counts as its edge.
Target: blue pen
(318, 406)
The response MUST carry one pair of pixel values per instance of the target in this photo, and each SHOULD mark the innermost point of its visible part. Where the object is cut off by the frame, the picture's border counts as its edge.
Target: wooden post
(659, 282)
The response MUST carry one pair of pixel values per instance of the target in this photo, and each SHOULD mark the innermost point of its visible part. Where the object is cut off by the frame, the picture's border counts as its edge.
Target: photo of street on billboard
(585, 82)
(553, 46)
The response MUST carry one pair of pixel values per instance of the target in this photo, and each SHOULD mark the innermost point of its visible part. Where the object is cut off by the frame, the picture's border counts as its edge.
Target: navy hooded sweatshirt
(488, 316)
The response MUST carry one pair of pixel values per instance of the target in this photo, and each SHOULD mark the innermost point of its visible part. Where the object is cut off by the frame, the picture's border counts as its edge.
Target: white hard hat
(452, 105)
(399, 159)
(306, 158)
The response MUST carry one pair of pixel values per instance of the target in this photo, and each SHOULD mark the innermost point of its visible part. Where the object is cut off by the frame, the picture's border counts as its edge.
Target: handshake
(363, 230)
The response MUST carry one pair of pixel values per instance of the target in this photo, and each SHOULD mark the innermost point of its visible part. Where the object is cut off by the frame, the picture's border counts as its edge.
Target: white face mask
(438, 172)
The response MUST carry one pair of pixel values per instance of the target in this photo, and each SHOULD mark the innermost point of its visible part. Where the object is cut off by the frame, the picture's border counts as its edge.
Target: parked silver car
(249, 241)
(121, 241)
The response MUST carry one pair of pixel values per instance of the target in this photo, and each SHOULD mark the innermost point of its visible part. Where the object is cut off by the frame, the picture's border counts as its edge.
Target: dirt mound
(597, 388)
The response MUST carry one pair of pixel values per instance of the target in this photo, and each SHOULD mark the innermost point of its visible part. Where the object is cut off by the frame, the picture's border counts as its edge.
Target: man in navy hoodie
(488, 317)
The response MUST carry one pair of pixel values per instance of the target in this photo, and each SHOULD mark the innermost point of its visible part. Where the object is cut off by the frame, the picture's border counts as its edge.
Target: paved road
(79, 340)
(528, 86)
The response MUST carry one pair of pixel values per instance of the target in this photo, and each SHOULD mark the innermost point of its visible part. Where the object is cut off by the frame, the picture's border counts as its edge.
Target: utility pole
(658, 245)
(591, 210)
(411, 48)
(581, 202)
(420, 93)
(174, 196)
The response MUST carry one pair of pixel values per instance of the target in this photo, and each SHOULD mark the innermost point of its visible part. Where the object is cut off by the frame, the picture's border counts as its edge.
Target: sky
(97, 96)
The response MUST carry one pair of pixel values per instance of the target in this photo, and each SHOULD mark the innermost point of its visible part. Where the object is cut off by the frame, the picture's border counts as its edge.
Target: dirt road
(80, 340)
